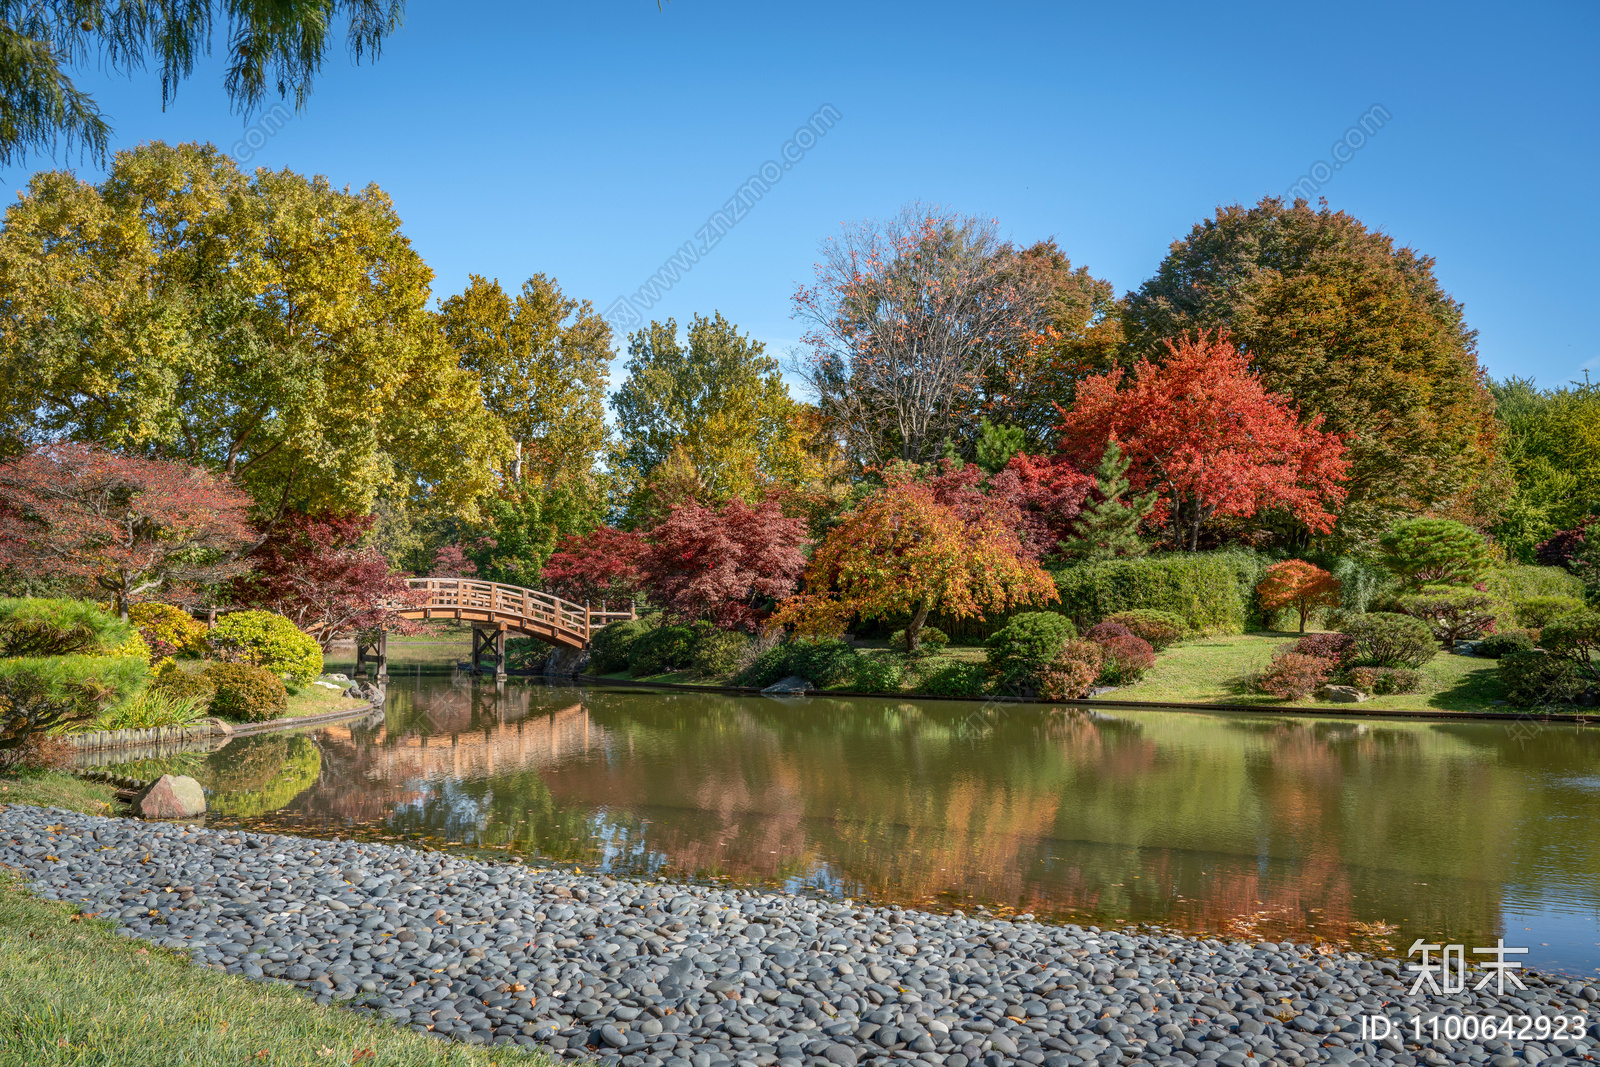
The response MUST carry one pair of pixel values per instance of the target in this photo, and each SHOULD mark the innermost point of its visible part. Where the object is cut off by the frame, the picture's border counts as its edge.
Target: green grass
(56, 789)
(74, 992)
(1211, 669)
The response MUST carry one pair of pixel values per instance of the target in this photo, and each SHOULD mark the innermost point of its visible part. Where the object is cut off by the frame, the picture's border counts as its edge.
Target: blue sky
(589, 141)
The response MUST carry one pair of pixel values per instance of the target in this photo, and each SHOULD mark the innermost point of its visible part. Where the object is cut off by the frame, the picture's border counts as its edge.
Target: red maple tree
(313, 570)
(601, 565)
(1037, 496)
(1201, 429)
(127, 527)
(724, 564)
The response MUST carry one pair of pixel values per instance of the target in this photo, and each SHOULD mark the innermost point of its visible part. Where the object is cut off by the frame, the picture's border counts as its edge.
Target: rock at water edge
(170, 797)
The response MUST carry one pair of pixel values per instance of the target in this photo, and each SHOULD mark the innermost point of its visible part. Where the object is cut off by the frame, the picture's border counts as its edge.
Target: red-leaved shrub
(1324, 646)
(1101, 632)
(1294, 675)
(1127, 658)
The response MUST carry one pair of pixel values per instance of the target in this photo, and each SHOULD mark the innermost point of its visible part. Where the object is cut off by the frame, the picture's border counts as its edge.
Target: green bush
(36, 626)
(929, 641)
(879, 673)
(1159, 628)
(180, 684)
(1537, 612)
(716, 652)
(1381, 639)
(1518, 582)
(247, 693)
(1576, 638)
(824, 663)
(1021, 653)
(1383, 681)
(1451, 612)
(93, 683)
(270, 641)
(170, 624)
(767, 668)
(955, 680)
(1498, 646)
(1212, 592)
(663, 649)
(1537, 678)
(609, 646)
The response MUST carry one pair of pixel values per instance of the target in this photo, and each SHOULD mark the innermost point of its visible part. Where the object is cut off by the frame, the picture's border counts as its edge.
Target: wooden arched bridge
(495, 610)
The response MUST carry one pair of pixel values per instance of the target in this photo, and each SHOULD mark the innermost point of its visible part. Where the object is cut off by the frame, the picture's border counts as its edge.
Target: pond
(1370, 832)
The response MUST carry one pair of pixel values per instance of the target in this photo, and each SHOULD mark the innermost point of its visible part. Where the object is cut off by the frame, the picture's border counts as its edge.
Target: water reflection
(1368, 831)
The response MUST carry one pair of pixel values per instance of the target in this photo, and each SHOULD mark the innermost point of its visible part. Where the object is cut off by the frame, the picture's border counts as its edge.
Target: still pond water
(1366, 831)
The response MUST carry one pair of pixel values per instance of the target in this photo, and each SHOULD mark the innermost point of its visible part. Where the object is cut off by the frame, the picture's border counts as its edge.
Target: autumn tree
(716, 405)
(315, 571)
(1298, 584)
(600, 565)
(130, 529)
(1202, 429)
(726, 564)
(278, 45)
(1108, 524)
(908, 317)
(1355, 331)
(270, 328)
(902, 552)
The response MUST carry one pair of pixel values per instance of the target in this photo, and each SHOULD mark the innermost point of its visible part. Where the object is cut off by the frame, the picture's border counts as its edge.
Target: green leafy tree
(1429, 551)
(1355, 330)
(711, 417)
(269, 328)
(997, 444)
(42, 41)
(1551, 442)
(1108, 525)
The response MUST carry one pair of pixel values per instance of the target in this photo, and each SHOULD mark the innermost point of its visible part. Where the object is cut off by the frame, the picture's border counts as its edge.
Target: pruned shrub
(955, 680)
(40, 626)
(1074, 672)
(1383, 681)
(1383, 639)
(663, 649)
(1498, 646)
(172, 625)
(930, 640)
(1452, 613)
(29, 707)
(824, 662)
(1102, 632)
(1021, 652)
(1213, 592)
(92, 683)
(180, 684)
(1325, 646)
(268, 640)
(1294, 675)
(247, 693)
(1537, 678)
(609, 645)
(1576, 639)
(880, 673)
(1537, 612)
(717, 652)
(1127, 658)
(768, 667)
(1160, 628)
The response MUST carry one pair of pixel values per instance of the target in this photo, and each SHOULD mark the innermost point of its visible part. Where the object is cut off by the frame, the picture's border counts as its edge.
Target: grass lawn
(1210, 670)
(54, 789)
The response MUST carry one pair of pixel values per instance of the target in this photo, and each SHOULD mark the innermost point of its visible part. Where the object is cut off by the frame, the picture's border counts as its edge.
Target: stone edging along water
(651, 974)
(1343, 711)
(213, 728)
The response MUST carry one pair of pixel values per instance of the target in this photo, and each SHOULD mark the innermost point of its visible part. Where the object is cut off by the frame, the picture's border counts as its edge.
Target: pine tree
(1108, 526)
(997, 444)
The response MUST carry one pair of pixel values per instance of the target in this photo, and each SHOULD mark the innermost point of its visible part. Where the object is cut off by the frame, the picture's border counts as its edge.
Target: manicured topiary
(955, 680)
(41, 626)
(1102, 632)
(185, 685)
(1498, 646)
(1424, 551)
(1382, 639)
(1127, 658)
(170, 624)
(1537, 612)
(270, 641)
(609, 646)
(1537, 678)
(1576, 639)
(1451, 612)
(1160, 628)
(1382, 681)
(1021, 652)
(247, 693)
(1074, 672)
(663, 649)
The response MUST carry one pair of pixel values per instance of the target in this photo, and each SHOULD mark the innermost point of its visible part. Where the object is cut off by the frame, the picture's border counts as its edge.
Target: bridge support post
(373, 648)
(489, 641)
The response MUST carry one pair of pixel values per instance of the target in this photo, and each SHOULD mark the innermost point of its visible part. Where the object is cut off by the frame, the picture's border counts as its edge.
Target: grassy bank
(77, 993)
(56, 789)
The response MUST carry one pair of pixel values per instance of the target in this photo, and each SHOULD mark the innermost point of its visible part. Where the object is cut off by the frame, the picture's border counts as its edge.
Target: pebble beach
(653, 974)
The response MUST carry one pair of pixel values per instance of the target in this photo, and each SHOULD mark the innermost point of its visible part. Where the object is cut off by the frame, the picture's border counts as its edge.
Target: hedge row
(1213, 592)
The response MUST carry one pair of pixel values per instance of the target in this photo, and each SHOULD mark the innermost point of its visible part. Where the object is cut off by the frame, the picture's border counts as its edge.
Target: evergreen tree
(1108, 526)
(997, 443)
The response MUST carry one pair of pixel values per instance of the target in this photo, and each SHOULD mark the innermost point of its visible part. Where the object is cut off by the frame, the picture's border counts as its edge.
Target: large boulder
(1341, 694)
(792, 685)
(170, 797)
(564, 662)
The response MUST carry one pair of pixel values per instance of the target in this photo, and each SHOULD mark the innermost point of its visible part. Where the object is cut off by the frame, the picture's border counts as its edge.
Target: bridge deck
(512, 608)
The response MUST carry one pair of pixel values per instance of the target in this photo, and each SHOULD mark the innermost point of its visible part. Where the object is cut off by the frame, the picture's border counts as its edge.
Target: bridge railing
(469, 595)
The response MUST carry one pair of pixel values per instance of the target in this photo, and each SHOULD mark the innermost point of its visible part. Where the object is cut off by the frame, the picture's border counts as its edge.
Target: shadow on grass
(1475, 691)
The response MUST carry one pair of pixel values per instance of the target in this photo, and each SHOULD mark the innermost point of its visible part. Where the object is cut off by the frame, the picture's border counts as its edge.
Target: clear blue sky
(589, 141)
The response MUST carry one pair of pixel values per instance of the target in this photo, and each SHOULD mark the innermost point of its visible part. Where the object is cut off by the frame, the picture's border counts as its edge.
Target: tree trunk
(914, 627)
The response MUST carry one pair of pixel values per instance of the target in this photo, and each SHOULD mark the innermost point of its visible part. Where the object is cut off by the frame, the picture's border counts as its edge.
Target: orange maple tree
(904, 552)
(1202, 429)
(1294, 582)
